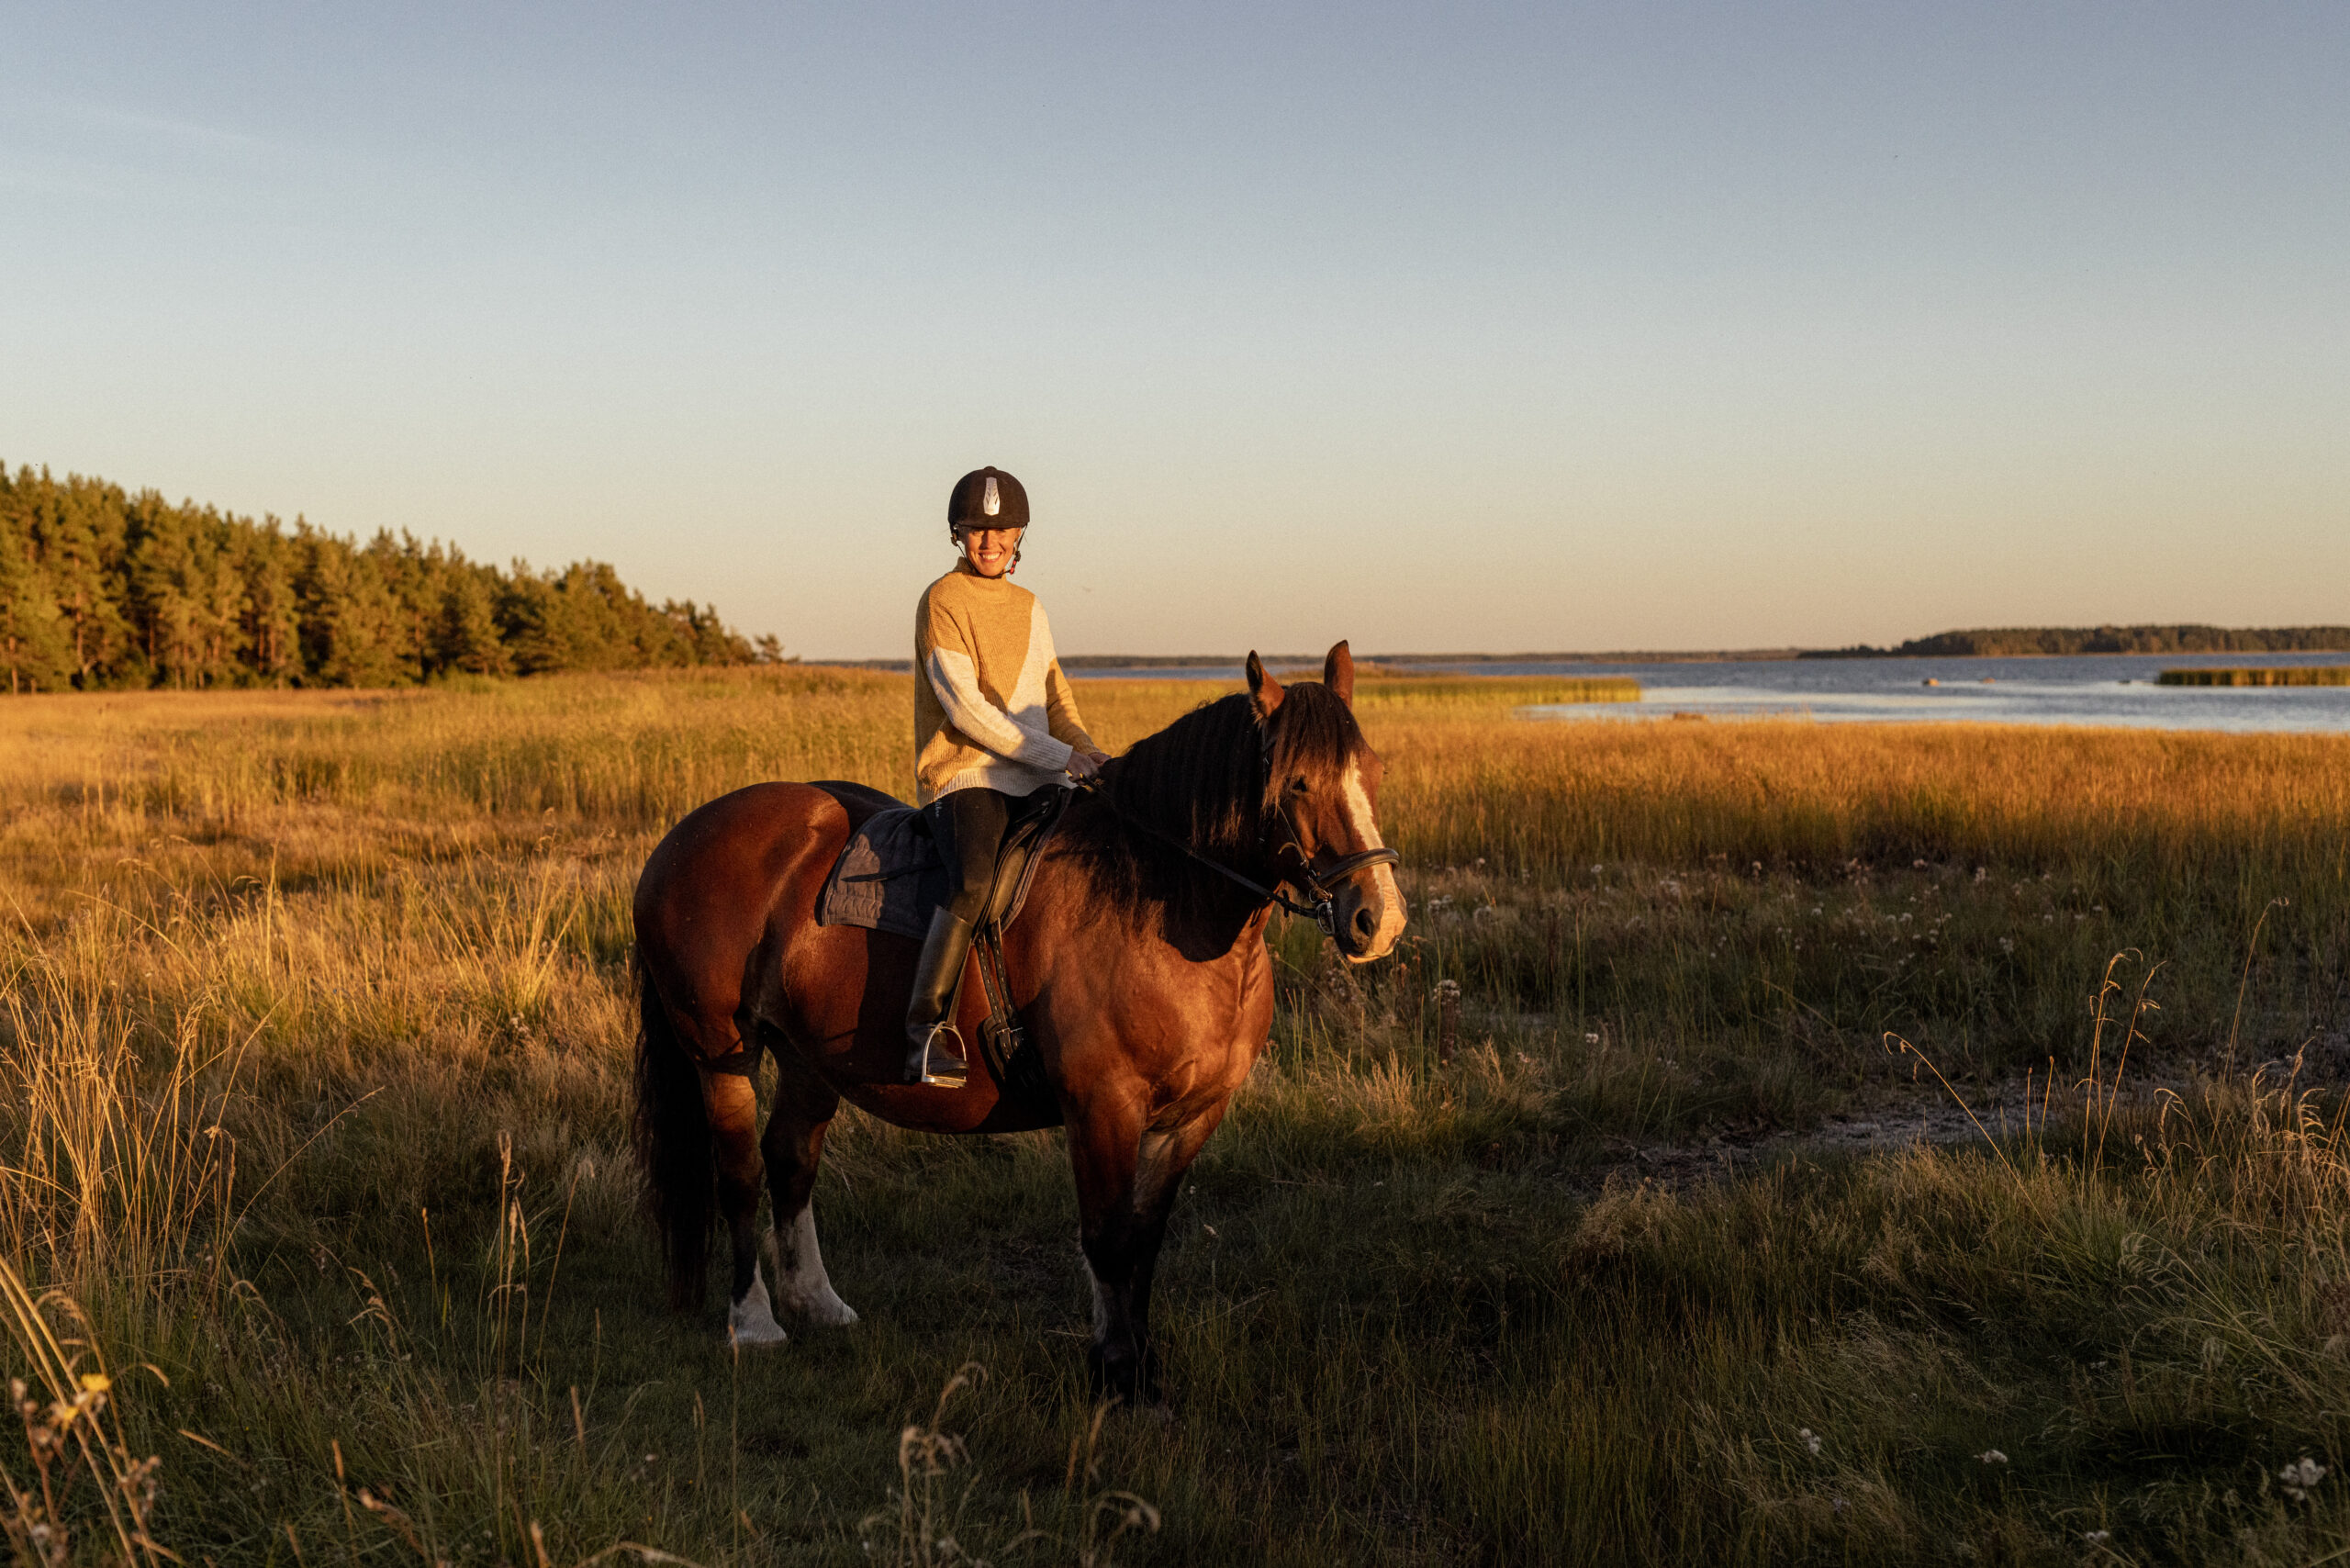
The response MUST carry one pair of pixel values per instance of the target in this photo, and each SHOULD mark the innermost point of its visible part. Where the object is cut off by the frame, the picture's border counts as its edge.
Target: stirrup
(938, 1070)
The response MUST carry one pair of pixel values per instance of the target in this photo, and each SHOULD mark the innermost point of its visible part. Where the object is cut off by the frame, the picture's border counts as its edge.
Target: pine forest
(104, 589)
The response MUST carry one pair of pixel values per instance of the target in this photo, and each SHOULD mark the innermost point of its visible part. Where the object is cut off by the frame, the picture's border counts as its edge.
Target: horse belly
(843, 1007)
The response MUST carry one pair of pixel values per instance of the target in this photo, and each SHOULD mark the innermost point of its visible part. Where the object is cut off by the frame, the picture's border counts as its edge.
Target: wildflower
(1591, 1039)
(2301, 1478)
(2096, 1537)
(1810, 1441)
(1992, 1456)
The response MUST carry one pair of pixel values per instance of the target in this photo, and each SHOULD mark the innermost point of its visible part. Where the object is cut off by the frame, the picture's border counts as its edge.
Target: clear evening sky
(1441, 326)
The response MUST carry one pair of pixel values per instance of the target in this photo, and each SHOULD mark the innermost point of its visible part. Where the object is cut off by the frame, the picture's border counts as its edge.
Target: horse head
(1321, 787)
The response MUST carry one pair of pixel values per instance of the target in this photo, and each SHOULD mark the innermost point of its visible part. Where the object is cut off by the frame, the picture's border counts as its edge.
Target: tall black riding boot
(934, 1051)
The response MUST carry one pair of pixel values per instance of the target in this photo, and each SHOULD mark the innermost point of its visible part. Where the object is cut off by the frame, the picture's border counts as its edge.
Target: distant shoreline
(2000, 646)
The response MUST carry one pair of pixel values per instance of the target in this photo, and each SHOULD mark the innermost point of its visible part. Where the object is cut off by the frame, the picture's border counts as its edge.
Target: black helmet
(987, 498)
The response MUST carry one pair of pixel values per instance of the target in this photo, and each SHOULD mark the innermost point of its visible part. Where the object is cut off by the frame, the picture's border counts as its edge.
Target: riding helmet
(987, 498)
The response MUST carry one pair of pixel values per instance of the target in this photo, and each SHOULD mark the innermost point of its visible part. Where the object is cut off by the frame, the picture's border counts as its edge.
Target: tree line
(101, 588)
(2183, 639)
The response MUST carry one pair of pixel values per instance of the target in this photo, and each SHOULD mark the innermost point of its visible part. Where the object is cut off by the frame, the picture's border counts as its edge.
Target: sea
(2115, 690)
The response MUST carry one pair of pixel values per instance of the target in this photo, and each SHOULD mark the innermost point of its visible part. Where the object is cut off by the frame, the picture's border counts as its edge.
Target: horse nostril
(1366, 923)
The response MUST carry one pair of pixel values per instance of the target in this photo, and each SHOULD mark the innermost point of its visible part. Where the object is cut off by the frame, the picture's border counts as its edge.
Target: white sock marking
(751, 1321)
(801, 1282)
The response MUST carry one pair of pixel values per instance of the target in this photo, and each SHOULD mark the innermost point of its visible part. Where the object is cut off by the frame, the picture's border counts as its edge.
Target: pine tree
(466, 637)
(33, 645)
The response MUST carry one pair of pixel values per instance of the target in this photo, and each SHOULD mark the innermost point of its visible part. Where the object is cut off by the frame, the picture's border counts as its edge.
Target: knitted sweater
(992, 706)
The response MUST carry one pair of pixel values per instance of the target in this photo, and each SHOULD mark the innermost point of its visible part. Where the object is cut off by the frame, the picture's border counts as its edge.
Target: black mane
(1209, 780)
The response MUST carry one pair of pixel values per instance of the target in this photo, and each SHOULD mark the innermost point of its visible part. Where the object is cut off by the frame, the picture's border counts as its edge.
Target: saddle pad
(890, 875)
(888, 879)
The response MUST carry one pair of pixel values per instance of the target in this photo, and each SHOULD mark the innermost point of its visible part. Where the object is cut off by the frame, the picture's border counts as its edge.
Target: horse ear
(1338, 672)
(1264, 691)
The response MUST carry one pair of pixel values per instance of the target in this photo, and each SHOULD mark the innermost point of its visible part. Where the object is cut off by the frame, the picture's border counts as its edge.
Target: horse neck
(1226, 827)
(1189, 785)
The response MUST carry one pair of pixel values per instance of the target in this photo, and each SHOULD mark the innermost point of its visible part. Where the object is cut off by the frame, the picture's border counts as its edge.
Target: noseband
(1319, 884)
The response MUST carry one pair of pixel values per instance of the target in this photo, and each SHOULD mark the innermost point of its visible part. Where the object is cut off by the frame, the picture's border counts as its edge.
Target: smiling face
(991, 550)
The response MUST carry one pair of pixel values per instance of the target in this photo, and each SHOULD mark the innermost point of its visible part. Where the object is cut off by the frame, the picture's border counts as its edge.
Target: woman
(994, 722)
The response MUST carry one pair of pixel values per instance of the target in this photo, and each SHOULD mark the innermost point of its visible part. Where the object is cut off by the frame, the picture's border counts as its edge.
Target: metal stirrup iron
(945, 1074)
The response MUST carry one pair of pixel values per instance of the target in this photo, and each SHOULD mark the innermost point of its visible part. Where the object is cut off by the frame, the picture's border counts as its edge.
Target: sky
(1437, 328)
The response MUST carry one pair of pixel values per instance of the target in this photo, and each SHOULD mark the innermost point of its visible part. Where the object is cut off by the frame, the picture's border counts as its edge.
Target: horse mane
(1207, 780)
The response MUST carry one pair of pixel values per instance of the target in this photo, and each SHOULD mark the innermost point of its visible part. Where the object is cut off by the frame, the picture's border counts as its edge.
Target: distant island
(2022, 641)
(102, 589)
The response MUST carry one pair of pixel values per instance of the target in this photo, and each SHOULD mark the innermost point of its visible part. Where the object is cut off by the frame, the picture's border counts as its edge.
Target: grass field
(315, 1044)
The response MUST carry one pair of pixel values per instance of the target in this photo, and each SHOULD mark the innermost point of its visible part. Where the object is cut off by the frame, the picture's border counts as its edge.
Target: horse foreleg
(1127, 1175)
(794, 1144)
(734, 1108)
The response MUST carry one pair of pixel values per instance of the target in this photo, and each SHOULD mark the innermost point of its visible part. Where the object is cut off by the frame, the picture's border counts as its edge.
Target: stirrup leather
(942, 1071)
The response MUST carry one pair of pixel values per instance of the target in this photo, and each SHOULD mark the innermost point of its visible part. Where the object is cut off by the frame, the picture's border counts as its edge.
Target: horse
(1138, 968)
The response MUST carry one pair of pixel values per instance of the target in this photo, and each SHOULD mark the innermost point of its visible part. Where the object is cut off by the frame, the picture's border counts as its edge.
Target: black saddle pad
(891, 875)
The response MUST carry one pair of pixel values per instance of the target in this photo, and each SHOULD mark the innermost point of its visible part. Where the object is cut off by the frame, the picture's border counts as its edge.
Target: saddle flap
(1024, 843)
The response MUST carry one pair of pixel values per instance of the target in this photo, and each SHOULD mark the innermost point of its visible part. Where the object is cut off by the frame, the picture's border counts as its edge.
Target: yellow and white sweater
(992, 706)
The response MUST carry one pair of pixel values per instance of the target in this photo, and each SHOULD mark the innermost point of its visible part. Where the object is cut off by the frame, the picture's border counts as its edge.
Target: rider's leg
(934, 1054)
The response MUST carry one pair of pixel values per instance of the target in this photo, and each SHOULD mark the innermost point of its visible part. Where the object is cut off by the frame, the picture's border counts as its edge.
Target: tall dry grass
(312, 1094)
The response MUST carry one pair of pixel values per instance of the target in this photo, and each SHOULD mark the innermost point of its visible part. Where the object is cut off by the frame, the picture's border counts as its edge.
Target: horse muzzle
(1358, 905)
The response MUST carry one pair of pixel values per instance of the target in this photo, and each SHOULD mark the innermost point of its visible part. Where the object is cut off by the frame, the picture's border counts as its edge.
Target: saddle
(893, 873)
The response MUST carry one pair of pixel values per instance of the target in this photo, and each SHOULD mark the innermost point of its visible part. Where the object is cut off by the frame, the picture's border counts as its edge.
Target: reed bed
(313, 1065)
(2305, 675)
(1488, 692)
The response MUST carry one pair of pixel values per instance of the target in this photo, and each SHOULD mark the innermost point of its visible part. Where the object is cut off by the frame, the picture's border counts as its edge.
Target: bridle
(1319, 885)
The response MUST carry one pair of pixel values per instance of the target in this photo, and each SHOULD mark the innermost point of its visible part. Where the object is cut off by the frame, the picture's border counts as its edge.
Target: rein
(1322, 910)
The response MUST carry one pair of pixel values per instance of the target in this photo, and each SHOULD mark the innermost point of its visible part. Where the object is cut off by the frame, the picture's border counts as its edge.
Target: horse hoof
(832, 1314)
(751, 1321)
(755, 1336)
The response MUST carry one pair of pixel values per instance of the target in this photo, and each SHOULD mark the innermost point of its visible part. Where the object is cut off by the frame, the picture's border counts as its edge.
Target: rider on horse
(994, 722)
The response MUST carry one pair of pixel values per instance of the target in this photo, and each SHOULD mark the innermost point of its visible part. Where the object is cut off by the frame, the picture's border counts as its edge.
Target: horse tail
(673, 1144)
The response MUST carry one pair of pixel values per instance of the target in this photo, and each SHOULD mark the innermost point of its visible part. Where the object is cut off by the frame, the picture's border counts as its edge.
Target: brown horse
(1138, 968)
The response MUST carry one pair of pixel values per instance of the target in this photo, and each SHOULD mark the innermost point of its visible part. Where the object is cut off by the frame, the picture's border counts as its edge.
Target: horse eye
(1297, 785)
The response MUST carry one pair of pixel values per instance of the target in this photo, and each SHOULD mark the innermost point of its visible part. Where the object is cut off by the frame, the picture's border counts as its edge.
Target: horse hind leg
(734, 1108)
(794, 1144)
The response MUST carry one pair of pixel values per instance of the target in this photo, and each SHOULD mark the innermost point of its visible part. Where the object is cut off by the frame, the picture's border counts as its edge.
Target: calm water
(2103, 688)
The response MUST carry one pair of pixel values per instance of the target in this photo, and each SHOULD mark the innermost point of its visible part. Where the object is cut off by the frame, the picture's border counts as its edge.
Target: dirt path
(1927, 1115)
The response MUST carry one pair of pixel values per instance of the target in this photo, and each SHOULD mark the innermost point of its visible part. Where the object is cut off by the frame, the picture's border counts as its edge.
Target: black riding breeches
(975, 820)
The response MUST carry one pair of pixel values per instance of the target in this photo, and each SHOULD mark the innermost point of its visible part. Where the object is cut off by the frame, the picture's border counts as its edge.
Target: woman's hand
(1083, 764)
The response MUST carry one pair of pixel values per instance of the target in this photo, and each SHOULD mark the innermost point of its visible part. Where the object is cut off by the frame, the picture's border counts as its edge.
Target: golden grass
(313, 1067)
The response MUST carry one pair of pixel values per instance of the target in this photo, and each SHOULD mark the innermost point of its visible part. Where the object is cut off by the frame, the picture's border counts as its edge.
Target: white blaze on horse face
(800, 1282)
(1365, 829)
(751, 1321)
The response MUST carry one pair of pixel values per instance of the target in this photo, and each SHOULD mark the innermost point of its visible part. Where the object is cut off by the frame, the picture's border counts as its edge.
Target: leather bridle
(1317, 884)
